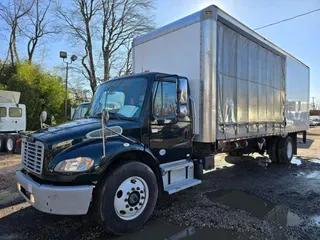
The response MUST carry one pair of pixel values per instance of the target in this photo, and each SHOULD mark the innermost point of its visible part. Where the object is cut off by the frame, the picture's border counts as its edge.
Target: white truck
(12, 120)
(216, 86)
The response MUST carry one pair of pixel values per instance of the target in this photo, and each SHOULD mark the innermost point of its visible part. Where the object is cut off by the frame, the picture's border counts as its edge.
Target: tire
(118, 213)
(3, 142)
(285, 150)
(235, 154)
(273, 150)
(11, 143)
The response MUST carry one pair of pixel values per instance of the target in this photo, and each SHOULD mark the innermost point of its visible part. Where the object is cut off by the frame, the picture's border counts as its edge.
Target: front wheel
(126, 198)
(11, 143)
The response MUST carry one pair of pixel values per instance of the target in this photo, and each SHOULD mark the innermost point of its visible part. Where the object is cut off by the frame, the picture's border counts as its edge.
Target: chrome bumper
(61, 200)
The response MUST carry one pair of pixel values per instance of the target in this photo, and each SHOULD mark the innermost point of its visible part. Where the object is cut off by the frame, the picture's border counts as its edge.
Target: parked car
(317, 121)
(313, 123)
(81, 111)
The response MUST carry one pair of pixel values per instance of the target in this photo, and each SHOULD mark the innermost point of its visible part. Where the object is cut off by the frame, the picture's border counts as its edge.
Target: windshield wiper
(114, 115)
(111, 114)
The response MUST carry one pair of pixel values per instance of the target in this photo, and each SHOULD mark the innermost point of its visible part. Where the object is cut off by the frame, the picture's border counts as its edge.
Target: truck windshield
(123, 98)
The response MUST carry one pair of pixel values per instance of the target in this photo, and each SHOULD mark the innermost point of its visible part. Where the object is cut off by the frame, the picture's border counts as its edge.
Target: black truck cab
(147, 149)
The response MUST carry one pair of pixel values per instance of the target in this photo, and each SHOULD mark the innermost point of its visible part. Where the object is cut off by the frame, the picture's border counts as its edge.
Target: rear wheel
(126, 198)
(285, 150)
(11, 143)
(2, 142)
(273, 150)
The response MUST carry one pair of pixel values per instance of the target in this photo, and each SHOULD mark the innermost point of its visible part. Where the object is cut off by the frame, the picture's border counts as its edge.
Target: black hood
(79, 128)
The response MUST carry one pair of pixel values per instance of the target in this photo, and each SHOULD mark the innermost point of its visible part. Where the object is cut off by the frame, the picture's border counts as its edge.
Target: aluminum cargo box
(243, 86)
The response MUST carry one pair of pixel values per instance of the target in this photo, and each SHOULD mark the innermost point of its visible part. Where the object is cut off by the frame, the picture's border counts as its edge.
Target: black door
(170, 134)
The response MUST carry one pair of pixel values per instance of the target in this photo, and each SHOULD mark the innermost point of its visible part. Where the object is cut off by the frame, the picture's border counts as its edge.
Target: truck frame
(216, 86)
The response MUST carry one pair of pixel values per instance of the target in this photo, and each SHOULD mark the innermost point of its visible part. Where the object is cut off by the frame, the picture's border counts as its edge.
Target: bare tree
(37, 27)
(110, 24)
(80, 24)
(126, 63)
(11, 14)
(122, 21)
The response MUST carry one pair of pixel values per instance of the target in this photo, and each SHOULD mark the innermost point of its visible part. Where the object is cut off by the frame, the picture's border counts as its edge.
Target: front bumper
(61, 200)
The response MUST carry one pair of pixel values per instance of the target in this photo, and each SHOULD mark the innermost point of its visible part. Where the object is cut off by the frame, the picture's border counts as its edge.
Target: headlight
(79, 164)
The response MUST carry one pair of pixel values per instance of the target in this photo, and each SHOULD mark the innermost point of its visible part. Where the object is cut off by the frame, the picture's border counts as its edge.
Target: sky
(300, 37)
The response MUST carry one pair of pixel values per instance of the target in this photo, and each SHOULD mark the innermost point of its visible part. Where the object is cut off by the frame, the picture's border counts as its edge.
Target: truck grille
(32, 155)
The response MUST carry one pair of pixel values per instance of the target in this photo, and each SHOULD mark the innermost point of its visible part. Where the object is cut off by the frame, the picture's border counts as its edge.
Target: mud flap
(208, 162)
(294, 143)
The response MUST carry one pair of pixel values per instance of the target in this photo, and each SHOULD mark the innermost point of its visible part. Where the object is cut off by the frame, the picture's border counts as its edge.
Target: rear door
(3, 118)
(12, 118)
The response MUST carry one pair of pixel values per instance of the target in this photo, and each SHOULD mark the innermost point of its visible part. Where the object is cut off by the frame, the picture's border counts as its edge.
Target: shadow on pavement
(284, 182)
(28, 223)
(305, 145)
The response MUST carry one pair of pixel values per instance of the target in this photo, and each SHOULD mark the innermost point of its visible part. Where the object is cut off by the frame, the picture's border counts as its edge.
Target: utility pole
(313, 104)
(66, 95)
(64, 55)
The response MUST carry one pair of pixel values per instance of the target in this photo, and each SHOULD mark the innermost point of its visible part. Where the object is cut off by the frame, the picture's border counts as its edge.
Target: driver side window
(164, 104)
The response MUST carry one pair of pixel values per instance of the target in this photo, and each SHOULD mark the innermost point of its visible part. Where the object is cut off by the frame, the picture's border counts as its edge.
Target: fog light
(32, 198)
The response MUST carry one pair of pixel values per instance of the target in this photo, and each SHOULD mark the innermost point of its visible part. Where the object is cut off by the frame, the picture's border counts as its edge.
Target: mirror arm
(103, 134)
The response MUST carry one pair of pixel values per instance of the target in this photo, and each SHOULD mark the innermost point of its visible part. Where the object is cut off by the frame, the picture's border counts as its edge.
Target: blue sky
(300, 37)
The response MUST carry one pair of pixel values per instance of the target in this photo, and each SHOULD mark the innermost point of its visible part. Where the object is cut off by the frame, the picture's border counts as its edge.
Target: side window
(15, 112)
(3, 112)
(164, 104)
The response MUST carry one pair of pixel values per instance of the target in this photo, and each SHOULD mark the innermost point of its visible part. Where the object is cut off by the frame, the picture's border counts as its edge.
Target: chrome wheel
(131, 198)
(289, 150)
(9, 144)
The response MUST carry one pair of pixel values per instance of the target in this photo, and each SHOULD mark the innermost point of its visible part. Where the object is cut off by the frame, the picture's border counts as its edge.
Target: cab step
(176, 187)
(178, 175)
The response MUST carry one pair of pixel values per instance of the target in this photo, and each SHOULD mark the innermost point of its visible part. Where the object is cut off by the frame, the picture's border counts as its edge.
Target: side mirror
(43, 116)
(53, 120)
(182, 111)
(178, 95)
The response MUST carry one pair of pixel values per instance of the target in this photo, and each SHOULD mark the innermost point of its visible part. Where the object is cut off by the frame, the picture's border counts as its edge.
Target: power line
(287, 19)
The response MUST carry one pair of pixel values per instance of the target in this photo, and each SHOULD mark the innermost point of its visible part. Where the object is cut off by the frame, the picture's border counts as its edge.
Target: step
(166, 167)
(176, 187)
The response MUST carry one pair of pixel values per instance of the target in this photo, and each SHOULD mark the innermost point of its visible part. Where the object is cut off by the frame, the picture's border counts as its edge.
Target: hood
(77, 130)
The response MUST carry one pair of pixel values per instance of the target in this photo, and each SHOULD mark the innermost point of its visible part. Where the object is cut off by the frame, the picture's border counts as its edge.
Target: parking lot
(242, 198)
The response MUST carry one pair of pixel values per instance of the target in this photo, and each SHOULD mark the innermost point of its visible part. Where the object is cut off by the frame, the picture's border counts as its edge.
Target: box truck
(214, 86)
(12, 120)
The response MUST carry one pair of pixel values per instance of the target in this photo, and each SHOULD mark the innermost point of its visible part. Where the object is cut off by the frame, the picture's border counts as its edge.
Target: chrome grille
(32, 155)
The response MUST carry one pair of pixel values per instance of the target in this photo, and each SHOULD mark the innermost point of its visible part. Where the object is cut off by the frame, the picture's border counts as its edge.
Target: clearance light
(147, 70)
(208, 13)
